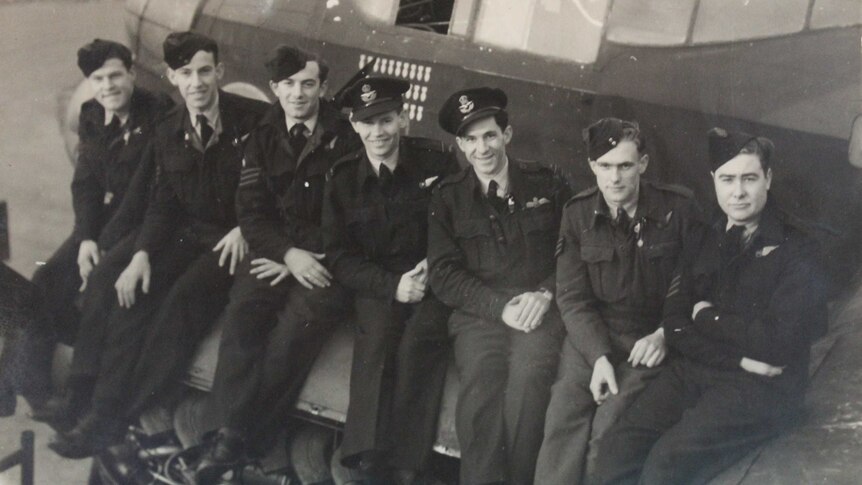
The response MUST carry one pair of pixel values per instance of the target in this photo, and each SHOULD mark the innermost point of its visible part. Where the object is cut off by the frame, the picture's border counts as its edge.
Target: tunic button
(307, 185)
(501, 239)
(492, 217)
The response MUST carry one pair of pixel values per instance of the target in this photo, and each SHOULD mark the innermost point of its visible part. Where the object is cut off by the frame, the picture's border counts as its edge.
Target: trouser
(691, 423)
(400, 356)
(271, 338)
(28, 339)
(58, 281)
(185, 274)
(99, 299)
(574, 423)
(505, 383)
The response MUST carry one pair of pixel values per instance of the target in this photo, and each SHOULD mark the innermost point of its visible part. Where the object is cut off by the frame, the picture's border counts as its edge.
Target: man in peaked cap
(264, 360)
(113, 128)
(619, 245)
(375, 234)
(190, 235)
(742, 311)
(492, 232)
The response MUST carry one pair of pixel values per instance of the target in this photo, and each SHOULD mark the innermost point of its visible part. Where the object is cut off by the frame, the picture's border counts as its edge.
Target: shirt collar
(310, 124)
(124, 117)
(766, 231)
(502, 179)
(211, 113)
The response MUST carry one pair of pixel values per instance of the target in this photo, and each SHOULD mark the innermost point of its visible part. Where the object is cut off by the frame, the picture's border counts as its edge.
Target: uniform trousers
(505, 385)
(400, 357)
(574, 423)
(58, 281)
(691, 423)
(186, 281)
(98, 299)
(271, 338)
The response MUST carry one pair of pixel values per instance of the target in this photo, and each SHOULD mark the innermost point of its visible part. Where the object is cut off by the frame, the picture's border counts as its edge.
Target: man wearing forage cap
(619, 245)
(190, 236)
(492, 233)
(742, 311)
(114, 126)
(264, 359)
(375, 234)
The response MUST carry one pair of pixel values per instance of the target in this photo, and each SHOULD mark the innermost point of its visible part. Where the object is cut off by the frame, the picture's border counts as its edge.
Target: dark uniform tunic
(612, 278)
(704, 412)
(480, 259)
(192, 208)
(109, 157)
(264, 360)
(374, 234)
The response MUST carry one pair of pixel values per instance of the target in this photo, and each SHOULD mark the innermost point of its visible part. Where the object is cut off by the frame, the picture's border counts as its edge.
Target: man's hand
(88, 258)
(411, 287)
(760, 368)
(305, 266)
(232, 245)
(526, 311)
(138, 270)
(649, 351)
(604, 380)
(698, 307)
(266, 268)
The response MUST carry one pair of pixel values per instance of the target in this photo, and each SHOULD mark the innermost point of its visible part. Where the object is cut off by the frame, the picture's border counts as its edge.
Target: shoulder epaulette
(677, 189)
(428, 144)
(582, 195)
(453, 178)
(346, 159)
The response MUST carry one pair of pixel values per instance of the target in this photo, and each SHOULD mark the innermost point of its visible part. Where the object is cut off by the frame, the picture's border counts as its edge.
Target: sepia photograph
(430, 242)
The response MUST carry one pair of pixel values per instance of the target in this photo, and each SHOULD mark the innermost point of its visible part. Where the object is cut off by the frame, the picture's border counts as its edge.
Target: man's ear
(642, 163)
(219, 70)
(172, 76)
(324, 86)
(507, 134)
(768, 178)
(272, 87)
(593, 167)
(461, 144)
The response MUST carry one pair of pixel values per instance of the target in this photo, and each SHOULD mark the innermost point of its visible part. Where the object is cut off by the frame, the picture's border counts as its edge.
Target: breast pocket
(476, 239)
(180, 174)
(604, 273)
(541, 230)
(662, 258)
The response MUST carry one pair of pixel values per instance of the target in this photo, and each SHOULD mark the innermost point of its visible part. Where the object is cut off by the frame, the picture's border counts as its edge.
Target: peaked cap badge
(466, 105)
(368, 95)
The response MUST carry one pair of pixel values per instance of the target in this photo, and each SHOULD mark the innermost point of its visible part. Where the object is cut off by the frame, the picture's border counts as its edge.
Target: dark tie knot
(114, 127)
(297, 137)
(385, 176)
(297, 130)
(733, 240)
(499, 203)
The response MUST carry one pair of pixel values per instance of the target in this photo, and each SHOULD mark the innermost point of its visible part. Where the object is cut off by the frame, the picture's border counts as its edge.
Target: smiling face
(618, 173)
(742, 188)
(300, 93)
(113, 85)
(198, 80)
(381, 133)
(484, 145)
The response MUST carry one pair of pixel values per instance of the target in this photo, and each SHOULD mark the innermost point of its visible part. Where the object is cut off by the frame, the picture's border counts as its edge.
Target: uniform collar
(649, 206)
(769, 231)
(501, 178)
(367, 172)
(212, 115)
(310, 124)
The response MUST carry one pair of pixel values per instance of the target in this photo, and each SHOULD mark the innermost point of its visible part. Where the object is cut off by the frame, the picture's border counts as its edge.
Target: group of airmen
(613, 336)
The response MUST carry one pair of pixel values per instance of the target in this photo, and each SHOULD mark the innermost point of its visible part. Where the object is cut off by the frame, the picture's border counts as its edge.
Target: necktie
(206, 130)
(385, 179)
(113, 128)
(494, 199)
(623, 219)
(298, 138)
(731, 245)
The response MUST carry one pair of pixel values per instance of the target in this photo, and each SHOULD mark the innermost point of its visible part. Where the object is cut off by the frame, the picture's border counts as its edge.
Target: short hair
(323, 71)
(763, 148)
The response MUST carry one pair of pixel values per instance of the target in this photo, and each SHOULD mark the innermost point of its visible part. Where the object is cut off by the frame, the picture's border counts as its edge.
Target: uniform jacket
(611, 280)
(481, 258)
(280, 194)
(371, 239)
(770, 299)
(195, 189)
(107, 161)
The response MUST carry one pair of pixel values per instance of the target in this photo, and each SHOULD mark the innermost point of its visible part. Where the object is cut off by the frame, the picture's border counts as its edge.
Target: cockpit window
(427, 15)
(836, 13)
(564, 29)
(656, 22)
(730, 20)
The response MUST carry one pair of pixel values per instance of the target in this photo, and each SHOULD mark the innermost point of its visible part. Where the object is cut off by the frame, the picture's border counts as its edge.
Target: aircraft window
(658, 22)
(565, 29)
(836, 13)
(729, 20)
(428, 15)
